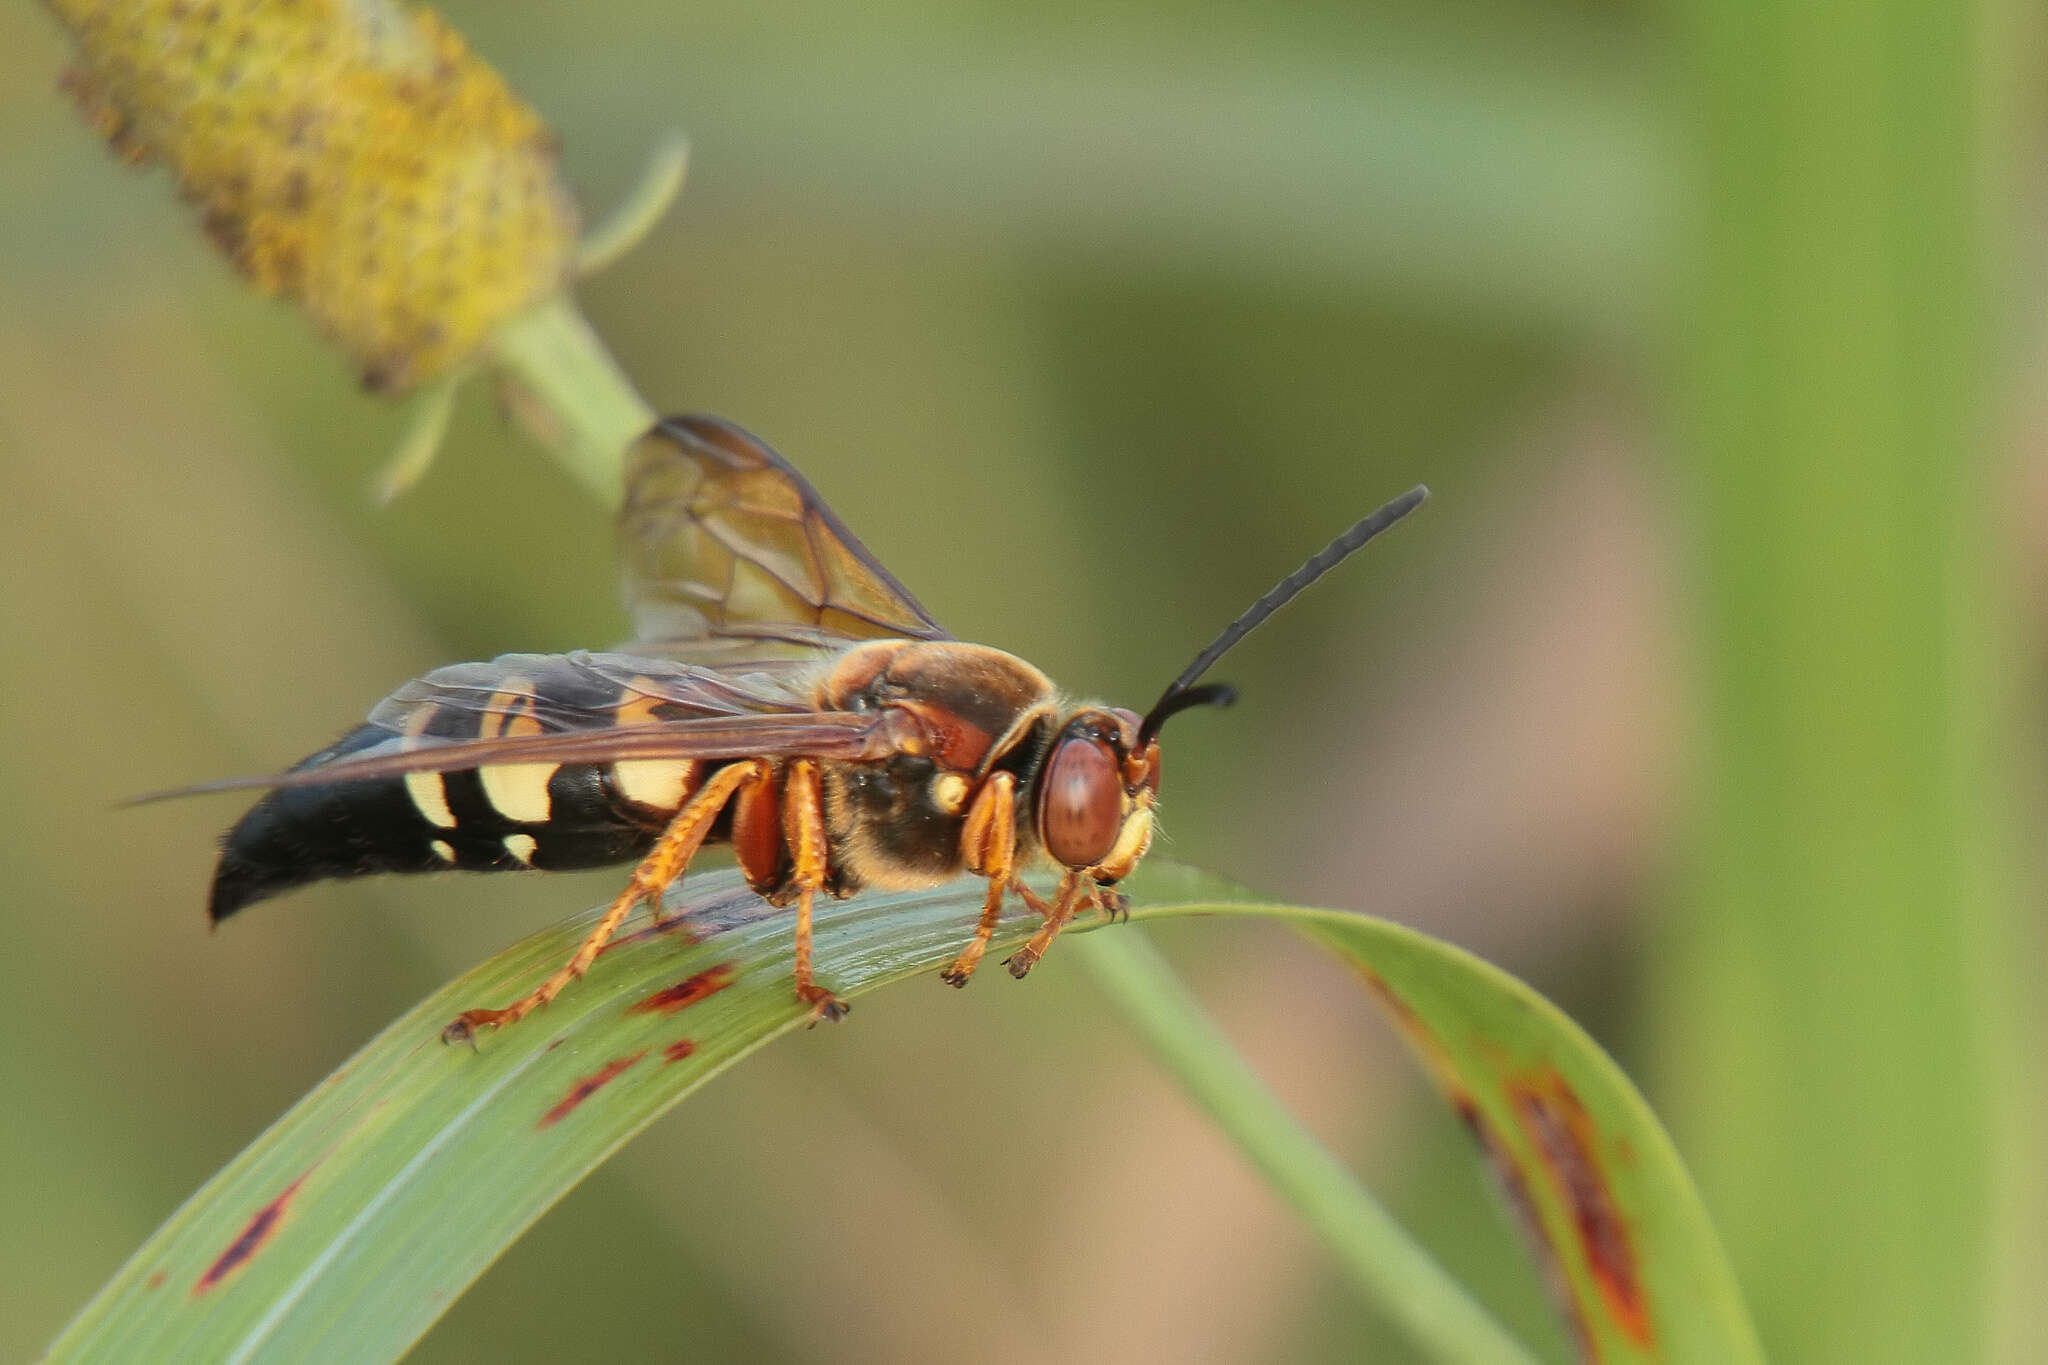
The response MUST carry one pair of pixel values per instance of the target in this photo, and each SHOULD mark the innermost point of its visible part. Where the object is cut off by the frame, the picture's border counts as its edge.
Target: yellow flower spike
(352, 155)
(626, 227)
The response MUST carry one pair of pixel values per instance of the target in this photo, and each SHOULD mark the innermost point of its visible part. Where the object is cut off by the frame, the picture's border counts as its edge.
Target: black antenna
(1181, 693)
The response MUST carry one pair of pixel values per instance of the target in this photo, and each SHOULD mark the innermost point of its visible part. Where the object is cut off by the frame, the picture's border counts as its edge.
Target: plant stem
(1397, 1276)
(588, 411)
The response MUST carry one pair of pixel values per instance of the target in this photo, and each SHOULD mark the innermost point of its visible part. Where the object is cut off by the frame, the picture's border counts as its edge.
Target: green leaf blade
(348, 1228)
(398, 1180)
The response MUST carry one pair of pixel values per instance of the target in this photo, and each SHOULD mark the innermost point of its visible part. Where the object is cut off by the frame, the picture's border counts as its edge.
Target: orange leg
(1074, 893)
(669, 859)
(1038, 904)
(803, 831)
(990, 839)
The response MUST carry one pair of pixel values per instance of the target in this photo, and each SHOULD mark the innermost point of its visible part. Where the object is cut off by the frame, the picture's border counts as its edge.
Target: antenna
(1181, 693)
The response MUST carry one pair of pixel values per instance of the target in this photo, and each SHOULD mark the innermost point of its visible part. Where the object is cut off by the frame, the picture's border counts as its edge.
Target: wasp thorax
(965, 699)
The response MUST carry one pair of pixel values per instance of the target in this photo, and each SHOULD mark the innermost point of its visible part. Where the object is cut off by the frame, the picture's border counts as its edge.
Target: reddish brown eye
(1081, 807)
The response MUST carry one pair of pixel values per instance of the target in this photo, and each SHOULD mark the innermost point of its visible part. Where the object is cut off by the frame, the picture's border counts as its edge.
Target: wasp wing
(820, 734)
(731, 556)
(582, 708)
(548, 693)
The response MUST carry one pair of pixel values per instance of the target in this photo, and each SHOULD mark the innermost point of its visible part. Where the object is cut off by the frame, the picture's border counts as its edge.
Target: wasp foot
(464, 1027)
(824, 1005)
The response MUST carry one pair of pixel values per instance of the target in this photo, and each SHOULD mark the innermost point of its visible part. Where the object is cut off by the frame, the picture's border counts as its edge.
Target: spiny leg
(989, 839)
(803, 831)
(1074, 892)
(962, 969)
(667, 861)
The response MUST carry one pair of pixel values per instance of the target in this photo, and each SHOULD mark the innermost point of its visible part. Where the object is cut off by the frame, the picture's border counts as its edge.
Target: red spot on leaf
(155, 1280)
(252, 1239)
(1513, 1186)
(1562, 1131)
(680, 1049)
(1508, 1175)
(585, 1088)
(685, 993)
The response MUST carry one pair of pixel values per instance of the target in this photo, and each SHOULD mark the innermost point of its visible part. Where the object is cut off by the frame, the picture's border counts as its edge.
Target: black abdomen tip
(302, 835)
(239, 882)
(427, 822)
(296, 835)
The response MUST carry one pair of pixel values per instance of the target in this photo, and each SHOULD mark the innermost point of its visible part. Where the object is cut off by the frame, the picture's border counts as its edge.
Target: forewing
(584, 708)
(549, 693)
(731, 556)
(820, 734)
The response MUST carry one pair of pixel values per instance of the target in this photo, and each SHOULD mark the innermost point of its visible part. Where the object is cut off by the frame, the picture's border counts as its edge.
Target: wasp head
(1096, 795)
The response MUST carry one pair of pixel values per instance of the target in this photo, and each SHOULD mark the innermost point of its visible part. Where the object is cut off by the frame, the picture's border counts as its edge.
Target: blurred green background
(1704, 694)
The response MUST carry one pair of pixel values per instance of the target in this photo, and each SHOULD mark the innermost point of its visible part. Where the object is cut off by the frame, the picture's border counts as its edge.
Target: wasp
(784, 696)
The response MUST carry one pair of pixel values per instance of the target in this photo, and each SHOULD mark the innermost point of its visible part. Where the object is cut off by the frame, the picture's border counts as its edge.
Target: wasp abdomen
(499, 817)
(476, 821)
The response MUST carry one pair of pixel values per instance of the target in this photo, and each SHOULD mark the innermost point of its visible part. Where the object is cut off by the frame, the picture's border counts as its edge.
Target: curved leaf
(1618, 1229)
(344, 1231)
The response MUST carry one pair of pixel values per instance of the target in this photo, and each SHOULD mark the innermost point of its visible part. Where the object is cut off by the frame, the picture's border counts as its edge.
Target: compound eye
(1081, 808)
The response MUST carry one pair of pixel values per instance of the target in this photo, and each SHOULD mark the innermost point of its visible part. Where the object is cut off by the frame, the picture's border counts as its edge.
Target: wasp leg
(803, 830)
(669, 859)
(1037, 904)
(989, 840)
(962, 969)
(1073, 894)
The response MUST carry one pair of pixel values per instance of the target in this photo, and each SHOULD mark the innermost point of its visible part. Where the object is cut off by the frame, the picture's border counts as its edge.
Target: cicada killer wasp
(785, 696)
